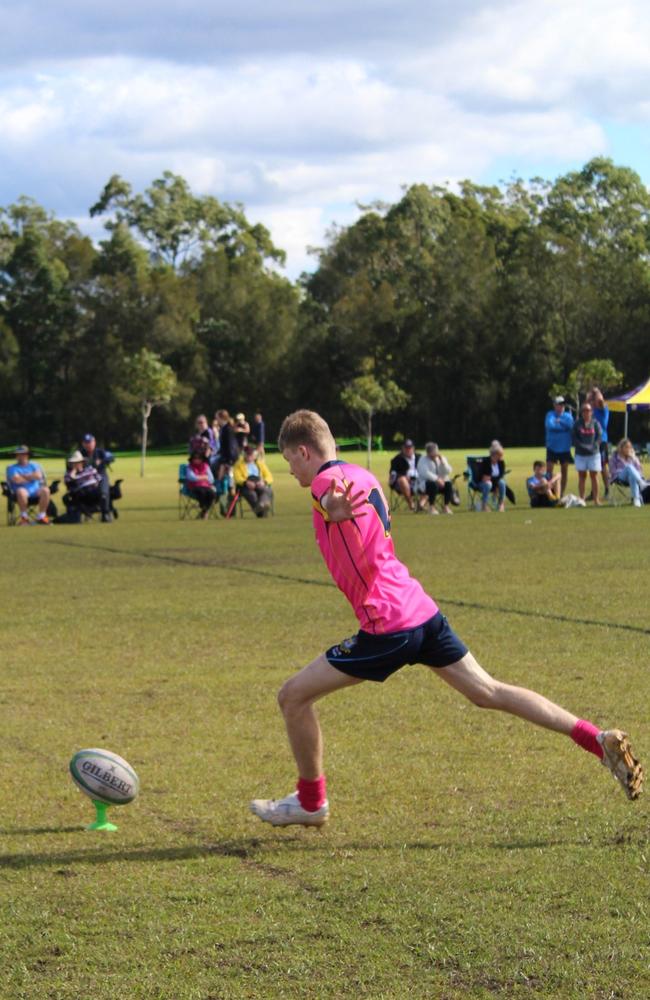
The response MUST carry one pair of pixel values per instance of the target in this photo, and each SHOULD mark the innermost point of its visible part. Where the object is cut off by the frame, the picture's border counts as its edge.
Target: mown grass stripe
(454, 602)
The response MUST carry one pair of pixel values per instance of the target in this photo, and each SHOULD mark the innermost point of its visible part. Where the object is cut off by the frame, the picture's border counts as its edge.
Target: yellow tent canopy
(633, 399)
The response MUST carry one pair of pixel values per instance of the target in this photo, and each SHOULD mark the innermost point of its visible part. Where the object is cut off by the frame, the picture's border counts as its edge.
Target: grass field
(468, 855)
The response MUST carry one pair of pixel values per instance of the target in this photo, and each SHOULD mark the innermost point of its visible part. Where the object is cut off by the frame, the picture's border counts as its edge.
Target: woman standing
(586, 441)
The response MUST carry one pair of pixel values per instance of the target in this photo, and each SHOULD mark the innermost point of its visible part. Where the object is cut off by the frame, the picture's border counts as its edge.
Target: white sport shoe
(619, 758)
(285, 812)
(638, 502)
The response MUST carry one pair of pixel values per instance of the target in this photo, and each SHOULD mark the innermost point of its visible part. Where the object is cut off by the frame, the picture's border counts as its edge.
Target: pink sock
(584, 734)
(311, 794)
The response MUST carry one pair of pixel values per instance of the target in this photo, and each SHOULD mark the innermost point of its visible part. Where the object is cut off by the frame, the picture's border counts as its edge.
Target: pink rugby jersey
(361, 557)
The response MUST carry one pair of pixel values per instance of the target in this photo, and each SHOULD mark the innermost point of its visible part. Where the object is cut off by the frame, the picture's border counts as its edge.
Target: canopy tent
(633, 399)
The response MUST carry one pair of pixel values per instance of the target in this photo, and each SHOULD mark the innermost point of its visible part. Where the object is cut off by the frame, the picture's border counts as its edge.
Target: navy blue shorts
(376, 657)
(563, 457)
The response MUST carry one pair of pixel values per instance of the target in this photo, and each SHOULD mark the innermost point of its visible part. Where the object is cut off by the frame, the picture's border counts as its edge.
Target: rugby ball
(104, 776)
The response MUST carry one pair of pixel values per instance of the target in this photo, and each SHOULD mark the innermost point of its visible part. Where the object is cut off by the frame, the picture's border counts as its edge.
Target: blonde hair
(623, 443)
(308, 428)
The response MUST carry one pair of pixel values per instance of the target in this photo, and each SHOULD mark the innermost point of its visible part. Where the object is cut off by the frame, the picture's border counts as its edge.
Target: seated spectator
(203, 432)
(83, 483)
(403, 473)
(242, 430)
(434, 478)
(253, 479)
(543, 487)
(100, 460)
(492, 478)
(199, 481)
(27, 483)
(624, 467)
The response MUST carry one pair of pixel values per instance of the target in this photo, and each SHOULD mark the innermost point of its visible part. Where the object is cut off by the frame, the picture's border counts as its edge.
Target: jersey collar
(328, 465)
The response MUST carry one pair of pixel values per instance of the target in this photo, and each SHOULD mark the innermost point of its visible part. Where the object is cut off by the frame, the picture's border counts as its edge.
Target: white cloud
(299, 134)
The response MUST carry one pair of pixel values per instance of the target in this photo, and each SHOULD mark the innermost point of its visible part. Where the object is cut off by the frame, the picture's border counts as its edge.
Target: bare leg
(405, 489)
(582, 478)
(22, 499)
(296, 700)
(564, 470)
(595, 487)
(43, 499)
(469, 677)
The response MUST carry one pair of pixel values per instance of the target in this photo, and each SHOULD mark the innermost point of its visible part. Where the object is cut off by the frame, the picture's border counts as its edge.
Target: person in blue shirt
(601, 414)
(27, 483)
(558, 426)
(543, 487)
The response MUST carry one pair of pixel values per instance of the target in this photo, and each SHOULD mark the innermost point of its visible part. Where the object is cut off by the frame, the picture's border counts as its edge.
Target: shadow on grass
(251, 849)
(31, 831)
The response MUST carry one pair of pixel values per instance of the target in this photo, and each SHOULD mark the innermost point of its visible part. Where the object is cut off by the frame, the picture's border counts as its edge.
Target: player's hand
(344, 506)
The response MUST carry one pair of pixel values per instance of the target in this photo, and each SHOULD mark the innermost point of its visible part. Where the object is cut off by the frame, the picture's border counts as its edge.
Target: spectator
(258, 432)
(83, 483)
(434, 478)
(492, 478)
(586, 439)
(27, 483)
(100, 460)
(202, 430)
(199, 481)
(242, 430)
(601, 414)
(626, 468)
(543, 487)
(253, 479)
(228, 450)
(558, 426)
(403, 473)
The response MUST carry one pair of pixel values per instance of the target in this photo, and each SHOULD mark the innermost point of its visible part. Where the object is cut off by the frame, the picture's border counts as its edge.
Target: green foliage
(146, 383)
(367, 395)
(476, 300)
(597, 372)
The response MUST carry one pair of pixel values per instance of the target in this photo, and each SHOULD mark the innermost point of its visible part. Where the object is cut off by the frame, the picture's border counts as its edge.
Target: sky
(302, 110)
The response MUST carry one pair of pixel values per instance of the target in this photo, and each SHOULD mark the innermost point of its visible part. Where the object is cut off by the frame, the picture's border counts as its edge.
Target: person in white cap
(558, 426)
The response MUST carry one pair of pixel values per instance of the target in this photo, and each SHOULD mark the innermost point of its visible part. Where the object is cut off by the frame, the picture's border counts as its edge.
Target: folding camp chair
(471, 476)
(188, 505)
(619, 493)
(12, 504)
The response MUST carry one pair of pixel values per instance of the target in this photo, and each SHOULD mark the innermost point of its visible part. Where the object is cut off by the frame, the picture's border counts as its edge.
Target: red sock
(584, 734)
(311, 794)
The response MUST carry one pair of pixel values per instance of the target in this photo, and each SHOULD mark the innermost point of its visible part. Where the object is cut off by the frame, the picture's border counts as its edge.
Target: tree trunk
(369, 433)
(146, 411)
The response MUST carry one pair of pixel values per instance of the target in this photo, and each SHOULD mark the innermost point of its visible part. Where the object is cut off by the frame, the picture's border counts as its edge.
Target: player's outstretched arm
(343, 506)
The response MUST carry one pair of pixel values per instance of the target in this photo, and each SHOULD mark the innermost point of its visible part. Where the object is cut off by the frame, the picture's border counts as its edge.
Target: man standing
(559, 426)
(399, 624)
(98, 458)
(27, 483)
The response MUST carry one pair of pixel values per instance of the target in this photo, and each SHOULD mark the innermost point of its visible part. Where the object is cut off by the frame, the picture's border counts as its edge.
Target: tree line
(472, 303)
